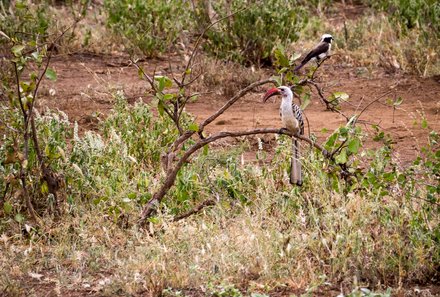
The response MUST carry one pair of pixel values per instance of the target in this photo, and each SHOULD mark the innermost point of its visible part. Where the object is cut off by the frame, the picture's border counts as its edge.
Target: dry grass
(306, 239)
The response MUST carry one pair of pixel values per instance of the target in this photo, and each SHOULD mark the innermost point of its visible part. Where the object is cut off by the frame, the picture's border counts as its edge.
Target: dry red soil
(85, 82)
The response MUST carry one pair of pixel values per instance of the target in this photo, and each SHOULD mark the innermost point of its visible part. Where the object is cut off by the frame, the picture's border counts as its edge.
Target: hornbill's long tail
(295, 164)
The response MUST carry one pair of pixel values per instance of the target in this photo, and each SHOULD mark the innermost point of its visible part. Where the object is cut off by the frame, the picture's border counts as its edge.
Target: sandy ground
(85, 82)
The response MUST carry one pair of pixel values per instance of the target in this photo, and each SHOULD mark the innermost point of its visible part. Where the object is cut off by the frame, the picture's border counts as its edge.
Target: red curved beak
(270, 93)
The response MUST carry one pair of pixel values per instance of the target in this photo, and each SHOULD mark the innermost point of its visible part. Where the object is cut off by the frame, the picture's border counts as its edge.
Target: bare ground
(84, 85)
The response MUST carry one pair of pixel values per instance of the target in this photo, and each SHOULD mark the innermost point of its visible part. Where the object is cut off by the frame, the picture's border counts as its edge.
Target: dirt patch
(85, 84)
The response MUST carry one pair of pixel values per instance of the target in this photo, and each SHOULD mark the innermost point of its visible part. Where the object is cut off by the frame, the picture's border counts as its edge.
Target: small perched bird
(321, 50)
(292, 119)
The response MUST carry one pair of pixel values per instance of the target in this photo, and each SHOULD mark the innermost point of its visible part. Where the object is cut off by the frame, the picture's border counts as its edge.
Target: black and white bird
(321, 50)
(292, 119)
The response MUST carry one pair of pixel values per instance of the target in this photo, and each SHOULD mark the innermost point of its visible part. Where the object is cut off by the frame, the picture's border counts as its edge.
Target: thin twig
(17, 81)
(372, 102)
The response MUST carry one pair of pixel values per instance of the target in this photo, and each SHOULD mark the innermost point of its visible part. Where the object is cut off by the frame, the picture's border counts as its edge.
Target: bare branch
(195, 210)
(231, 101)
(372, 102)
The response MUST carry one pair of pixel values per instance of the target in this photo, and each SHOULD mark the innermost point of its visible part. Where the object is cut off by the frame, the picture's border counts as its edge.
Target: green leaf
(167, 97)
(331, 141)
(160, 107)
(19, 218)
(35, 55)
(306, 101)
(193, 127)
(278, 79)
(51, 74)
(340, 96)
(342, 157)
(205, 150)
(7, 207)
(353, 145)
(140, 73)
(164, 82)
(44, 188)
(281, 58)
(398, 101)
(17, 49)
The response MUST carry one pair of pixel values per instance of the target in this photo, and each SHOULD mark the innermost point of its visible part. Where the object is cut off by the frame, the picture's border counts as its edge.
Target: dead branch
(197, 209)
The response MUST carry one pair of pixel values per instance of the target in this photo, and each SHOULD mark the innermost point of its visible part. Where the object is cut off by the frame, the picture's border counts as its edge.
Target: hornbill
(321, 50)
(292, 119)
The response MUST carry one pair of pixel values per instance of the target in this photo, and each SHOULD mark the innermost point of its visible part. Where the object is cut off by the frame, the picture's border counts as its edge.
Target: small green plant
(151, 27)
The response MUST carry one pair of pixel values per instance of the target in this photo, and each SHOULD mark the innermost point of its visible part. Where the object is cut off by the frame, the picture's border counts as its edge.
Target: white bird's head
(327, 38)
(283, 91)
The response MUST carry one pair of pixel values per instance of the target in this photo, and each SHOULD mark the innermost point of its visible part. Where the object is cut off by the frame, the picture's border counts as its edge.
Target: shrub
(24, 21)
(422, 14)
(149, 26)
(250, 35)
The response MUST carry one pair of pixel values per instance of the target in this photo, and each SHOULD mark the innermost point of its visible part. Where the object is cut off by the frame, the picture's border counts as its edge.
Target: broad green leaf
(340, 96)
(193, 127)
(205, 150)
(342, 157)
(331, 141)
(164, 82)
(51, 74)
(167, 97)
(160, 107)
(353, 145)
(17, 49)
(7, 207)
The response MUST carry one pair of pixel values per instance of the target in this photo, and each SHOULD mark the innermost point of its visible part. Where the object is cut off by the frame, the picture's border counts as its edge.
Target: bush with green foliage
(150, 26)
(24, 21)
(412, 14)
(250, 35)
